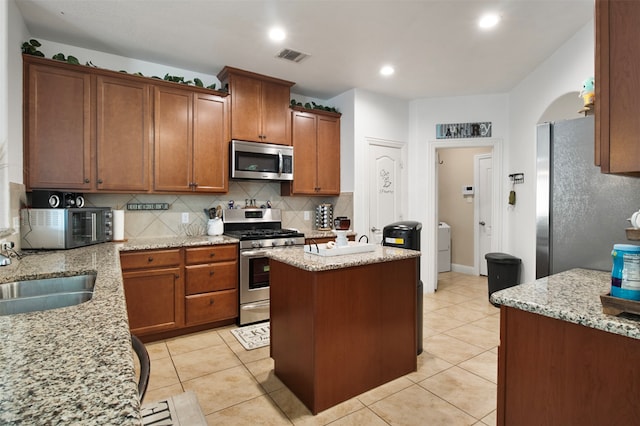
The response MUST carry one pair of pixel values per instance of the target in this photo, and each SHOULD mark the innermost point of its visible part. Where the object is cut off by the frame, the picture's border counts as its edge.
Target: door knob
(374, 229)
(482, 223)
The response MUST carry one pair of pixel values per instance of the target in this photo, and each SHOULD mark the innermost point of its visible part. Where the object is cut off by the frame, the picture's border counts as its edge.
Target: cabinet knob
(211, 301)
(211, 273)
(150, 259)
(212, 254)
(99, 180)
(177, 276)
(86, 180)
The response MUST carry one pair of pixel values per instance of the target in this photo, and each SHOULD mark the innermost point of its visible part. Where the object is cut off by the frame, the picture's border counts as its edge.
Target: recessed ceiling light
(277, 34)
(489, 20)
(387, 70)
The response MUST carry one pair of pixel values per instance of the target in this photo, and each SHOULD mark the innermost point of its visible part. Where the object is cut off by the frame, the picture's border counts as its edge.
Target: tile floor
(455, 383)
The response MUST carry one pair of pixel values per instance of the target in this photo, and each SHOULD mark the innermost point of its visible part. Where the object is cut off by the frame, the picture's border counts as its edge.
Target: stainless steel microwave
(65, 228)
(261, 161)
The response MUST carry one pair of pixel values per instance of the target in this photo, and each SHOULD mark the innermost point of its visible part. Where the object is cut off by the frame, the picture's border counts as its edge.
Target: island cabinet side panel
(291, 304)
(556, 372)
(338, 333)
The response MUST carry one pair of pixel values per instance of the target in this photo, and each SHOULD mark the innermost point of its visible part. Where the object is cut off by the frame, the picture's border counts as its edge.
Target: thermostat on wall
(467, 189)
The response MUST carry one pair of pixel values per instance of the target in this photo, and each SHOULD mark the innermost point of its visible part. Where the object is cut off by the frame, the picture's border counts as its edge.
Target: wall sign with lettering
(463, 130)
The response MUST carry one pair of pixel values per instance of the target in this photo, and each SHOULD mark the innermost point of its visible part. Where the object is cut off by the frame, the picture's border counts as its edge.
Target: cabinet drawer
(210, 307)
(150, 259)
(212, 254)
(211, 277)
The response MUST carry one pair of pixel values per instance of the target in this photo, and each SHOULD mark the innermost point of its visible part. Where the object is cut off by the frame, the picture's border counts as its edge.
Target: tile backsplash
(156, 223)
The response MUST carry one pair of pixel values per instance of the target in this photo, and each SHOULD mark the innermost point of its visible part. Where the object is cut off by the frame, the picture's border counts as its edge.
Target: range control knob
(274, 243)
(256, 244)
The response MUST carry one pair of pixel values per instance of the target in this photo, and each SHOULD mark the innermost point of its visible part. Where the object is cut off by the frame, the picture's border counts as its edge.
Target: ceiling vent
(291, 55)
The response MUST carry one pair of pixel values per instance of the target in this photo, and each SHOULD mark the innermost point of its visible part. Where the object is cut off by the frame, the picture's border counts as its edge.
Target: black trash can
(503, 271)
(407, 235)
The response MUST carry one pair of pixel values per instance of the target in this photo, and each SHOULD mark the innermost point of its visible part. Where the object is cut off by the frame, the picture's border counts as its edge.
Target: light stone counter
(74, 365)
(295, 256)
(572, 296)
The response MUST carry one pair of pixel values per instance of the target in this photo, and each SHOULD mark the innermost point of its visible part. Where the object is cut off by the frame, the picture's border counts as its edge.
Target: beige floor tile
(157, 350)
(428, 365)
(451, 349)
(224, 389)
(470, 393)
(195, 341)
(159, 394)
(490, 322)
(253, 355)
(262, 371)
(200, 362)
(417, 406)
(449, 296)
(299, 414)
(491, 419)
(163, 373)
(430, 303)
(472, 291)
(460, 313)
(475, 335)
(484, 365)
(439, 322)
(381, 392)
(361, 417)
(257, 411)
(481, 304)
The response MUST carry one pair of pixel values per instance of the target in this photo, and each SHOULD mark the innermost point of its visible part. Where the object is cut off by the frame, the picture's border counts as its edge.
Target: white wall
(424, 115)
(561, 73)
(345, 103)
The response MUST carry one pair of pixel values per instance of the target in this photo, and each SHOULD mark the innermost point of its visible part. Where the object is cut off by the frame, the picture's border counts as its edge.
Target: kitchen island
(75, 365)
(342, 325)
(561, 360)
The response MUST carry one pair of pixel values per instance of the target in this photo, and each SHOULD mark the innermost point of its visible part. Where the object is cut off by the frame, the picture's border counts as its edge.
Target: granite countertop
(572, 296)
(75, 365)
(295, 256)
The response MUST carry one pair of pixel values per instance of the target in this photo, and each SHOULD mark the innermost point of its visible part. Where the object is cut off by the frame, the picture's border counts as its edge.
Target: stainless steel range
(258, 230)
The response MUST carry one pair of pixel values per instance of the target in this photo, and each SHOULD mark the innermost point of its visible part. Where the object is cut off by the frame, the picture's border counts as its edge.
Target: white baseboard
(463, 269)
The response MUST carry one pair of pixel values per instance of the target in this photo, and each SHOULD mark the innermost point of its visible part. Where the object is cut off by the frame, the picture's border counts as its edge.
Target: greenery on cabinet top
(31, 48)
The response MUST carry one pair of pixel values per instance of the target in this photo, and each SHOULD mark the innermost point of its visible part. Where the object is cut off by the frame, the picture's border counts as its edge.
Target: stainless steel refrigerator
(580, 212)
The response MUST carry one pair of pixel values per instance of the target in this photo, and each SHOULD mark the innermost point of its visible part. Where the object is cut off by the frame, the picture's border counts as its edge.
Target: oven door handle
(258, 305)
(280, 164)
(253, 253)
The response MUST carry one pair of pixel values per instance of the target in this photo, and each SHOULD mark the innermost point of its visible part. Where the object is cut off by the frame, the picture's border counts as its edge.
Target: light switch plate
(185, 217)
(307, 215)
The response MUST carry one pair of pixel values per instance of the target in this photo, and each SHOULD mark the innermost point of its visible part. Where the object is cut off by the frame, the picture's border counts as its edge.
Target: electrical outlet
(185, 217)
(6, 245)
(307, 215)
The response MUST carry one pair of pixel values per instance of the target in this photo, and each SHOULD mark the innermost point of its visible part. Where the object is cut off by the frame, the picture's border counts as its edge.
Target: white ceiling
(435, 46)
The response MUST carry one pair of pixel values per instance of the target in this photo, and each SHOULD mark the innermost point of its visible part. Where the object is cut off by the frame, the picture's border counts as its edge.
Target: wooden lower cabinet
(174, 290)
(553, 372)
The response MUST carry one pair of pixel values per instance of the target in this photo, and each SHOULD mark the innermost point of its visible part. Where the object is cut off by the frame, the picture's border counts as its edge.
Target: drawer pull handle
(212, 254)
(211, 273)
(150, 259)
(211, 301)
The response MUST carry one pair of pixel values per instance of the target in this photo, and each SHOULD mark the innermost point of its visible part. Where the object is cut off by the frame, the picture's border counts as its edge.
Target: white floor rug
(253, 336)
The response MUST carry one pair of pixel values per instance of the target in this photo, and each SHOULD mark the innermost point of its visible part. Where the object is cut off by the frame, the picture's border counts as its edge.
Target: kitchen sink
(43, 294)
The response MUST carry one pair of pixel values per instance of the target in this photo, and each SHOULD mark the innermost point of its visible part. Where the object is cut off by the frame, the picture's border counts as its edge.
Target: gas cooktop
(261, 234)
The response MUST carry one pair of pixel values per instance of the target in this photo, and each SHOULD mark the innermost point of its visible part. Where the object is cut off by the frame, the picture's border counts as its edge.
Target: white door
(484, 200)
(385, 188)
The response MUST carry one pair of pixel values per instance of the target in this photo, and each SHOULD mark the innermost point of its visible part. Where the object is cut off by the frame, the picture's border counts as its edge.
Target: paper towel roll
(118, 225)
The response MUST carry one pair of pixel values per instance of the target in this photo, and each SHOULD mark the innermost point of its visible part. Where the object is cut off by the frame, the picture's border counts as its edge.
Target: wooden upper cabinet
(57, 138)
(316, 163)
(123, 134)
(191, 141)
(259, 106)
(617, 67)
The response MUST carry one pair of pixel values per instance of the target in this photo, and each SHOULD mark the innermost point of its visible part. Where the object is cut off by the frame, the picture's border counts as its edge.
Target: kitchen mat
(178, 410)
(253, 336)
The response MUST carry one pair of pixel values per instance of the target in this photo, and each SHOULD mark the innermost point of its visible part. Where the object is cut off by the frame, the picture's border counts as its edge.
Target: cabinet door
(123, 134)
(173, 139)
(305, 153)
(275, 113)
(617, 86)
(58, 139)
(245, 108)
(328, 142)
(154, 300)
(210, 144)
